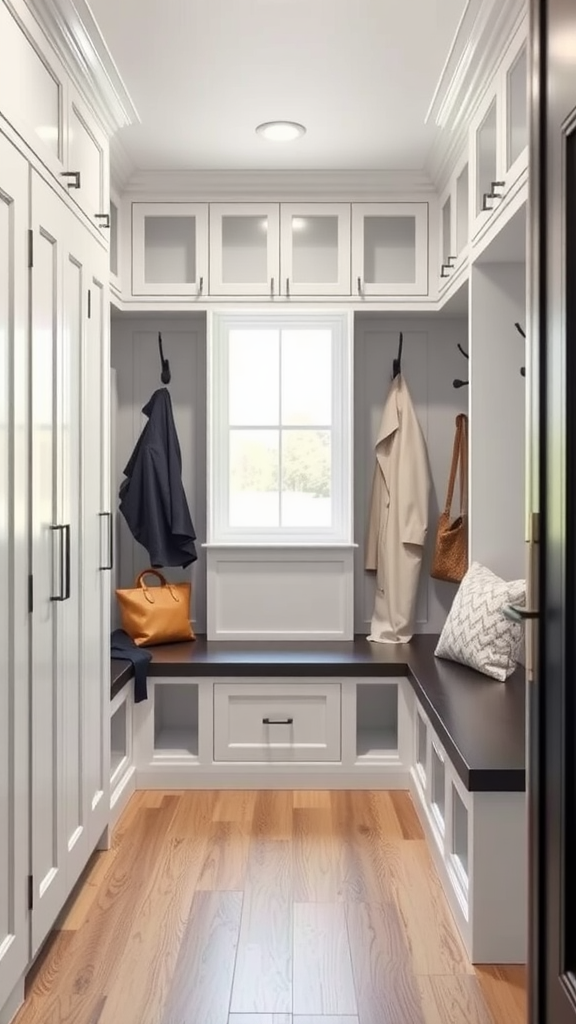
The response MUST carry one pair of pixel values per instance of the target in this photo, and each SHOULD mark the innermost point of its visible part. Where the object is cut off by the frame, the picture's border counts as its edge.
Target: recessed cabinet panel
(447, 230)
(421, 746)
(517, 109)
(88, 158)
(244, 249)
(315, 240)
(462, 210)
(170, 249)
(36, 110)
(113, 239)
(460, 833)
(486, 158)
(390, 248)
(376, 720)
(438, 789)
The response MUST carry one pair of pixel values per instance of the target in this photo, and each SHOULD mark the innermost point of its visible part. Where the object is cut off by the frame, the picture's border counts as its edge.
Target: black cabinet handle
(272, 287)
(277, 721)
(201, 286)
(65, 573)
(450, 261)
(74, 178)
(108, 517)
(485, 203)
(445, 268)
(516, 613)
(104, 219)
(288, 287)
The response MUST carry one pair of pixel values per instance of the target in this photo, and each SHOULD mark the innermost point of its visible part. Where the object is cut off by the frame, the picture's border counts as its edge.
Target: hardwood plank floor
(265, 908)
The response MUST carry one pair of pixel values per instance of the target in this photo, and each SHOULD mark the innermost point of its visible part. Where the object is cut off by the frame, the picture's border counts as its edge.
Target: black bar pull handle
(67, 566)
(277, 721)
(74, 178)
(110, 562)
(104, 219)
(64, 559)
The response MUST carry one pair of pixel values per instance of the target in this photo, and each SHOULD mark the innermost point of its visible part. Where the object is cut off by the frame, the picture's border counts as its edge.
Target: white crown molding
(122, 166)
(248, 185)
(483, 35)
(76, 37)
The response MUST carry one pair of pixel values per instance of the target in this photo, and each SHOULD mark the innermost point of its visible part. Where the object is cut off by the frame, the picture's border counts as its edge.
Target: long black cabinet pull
(65, 571)
(108, 517)
(277, 721)
(74, 178)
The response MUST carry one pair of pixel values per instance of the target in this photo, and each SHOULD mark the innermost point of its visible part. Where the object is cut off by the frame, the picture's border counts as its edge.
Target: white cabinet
(170, 249)
(70, 750)
(390, 248)
(245, 249)
(87, 173)
(315, 248)
(454, 223)
(14, 706)
(499, 136)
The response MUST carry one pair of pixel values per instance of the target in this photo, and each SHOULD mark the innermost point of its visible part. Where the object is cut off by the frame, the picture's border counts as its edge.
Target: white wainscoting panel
(430, 362)
(136, 361)
(280, 593)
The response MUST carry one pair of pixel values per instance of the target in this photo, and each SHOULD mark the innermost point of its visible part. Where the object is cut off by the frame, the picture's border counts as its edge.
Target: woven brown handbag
(450, 561)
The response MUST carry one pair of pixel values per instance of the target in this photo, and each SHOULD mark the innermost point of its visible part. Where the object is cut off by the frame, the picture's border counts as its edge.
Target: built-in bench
(350, 715)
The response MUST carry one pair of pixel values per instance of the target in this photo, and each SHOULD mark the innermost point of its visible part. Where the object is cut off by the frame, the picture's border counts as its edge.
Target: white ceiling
(359, 74)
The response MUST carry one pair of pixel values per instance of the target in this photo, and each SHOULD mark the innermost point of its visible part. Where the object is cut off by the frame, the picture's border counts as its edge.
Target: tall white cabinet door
(245, 249)
(50, 563)
(390, 248)
(170, 249)
(97, 550)
(14, 617)
(315, 248)
(88, 175)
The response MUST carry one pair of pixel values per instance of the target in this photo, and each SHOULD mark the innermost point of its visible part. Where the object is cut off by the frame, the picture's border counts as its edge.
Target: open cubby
(376, 719)
(118, 738)
(438, 794)
(176, 720)
(460, 831)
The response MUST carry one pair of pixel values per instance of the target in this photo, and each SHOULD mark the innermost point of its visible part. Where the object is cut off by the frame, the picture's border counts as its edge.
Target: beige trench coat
(398, 517)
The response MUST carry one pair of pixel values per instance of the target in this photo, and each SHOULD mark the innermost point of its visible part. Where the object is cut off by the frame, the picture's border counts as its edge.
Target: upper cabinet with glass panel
(245, 249)
(169, 249)
(390, 248)
(499, 136)
(315, 249)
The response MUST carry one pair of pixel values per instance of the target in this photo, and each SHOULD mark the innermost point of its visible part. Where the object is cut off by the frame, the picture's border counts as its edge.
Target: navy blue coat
(152, 498)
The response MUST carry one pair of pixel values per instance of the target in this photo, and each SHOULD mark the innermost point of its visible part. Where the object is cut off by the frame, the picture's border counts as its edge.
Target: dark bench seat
(480, 722)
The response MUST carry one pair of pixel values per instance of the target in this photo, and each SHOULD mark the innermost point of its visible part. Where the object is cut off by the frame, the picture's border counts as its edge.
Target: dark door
(552, 697)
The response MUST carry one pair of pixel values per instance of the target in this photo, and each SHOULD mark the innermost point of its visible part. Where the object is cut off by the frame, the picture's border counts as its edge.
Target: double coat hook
(457, 383)
(165, 375)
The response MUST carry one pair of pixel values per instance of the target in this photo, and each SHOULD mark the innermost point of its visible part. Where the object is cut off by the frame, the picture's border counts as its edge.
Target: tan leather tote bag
(450, 561)
(156, 615)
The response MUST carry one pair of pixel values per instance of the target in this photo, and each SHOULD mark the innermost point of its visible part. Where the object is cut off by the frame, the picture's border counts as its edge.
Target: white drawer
(293, 722)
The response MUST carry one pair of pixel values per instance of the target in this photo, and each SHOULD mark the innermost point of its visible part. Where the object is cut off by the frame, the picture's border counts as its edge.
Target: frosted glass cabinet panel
(170, 249)
(315, 249)
(390, 248)
(244, 249)
(486, 158)
(517, 109)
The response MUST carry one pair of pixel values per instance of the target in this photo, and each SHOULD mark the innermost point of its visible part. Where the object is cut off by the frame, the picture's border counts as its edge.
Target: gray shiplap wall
(136, 362)
(430, 362)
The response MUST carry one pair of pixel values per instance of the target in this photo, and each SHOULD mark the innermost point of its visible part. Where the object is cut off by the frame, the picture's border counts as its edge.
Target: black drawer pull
(104, 219)
(74, 178)
(277, 721)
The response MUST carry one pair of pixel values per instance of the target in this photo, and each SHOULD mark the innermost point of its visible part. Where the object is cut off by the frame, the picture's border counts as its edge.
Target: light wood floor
(265, 908)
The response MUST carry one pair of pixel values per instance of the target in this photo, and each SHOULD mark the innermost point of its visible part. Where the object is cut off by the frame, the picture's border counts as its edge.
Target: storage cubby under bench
(349, 716)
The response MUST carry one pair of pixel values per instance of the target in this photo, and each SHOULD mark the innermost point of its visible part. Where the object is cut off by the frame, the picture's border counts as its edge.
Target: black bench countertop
(479, 721)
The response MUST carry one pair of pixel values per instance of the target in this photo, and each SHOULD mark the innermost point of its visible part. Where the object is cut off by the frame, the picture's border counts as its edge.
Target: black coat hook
(165, 375)
(457, 383)
(397, 364)
(522, 333)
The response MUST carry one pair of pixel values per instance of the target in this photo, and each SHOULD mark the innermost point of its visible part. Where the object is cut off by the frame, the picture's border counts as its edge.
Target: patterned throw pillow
(476, 633)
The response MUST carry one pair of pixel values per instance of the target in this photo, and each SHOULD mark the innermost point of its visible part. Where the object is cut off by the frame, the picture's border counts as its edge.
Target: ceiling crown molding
(246, 185)
(76, 37)
(484, 32)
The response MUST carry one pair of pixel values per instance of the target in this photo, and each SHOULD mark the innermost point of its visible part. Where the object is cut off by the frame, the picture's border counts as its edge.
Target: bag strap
(151, 572)
(456, 458)
(464, 467)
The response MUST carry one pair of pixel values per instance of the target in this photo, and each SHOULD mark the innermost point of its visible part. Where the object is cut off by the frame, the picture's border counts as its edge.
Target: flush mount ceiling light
(281, 131)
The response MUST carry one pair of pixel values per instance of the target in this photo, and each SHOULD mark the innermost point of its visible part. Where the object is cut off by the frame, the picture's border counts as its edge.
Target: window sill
(280, 544)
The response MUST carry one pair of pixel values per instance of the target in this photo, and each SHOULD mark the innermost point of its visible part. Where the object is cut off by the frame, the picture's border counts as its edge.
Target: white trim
(219, 531)
(282, 185)
(74, 33)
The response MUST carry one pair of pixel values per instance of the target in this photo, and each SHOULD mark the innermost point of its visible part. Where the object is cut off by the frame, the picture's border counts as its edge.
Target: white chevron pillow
(476, 633)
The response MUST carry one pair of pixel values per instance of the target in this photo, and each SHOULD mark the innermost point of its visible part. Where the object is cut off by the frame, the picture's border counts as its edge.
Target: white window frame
(219, 529)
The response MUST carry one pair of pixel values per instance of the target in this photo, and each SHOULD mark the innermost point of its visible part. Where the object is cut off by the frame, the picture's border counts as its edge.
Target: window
(280, 428)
